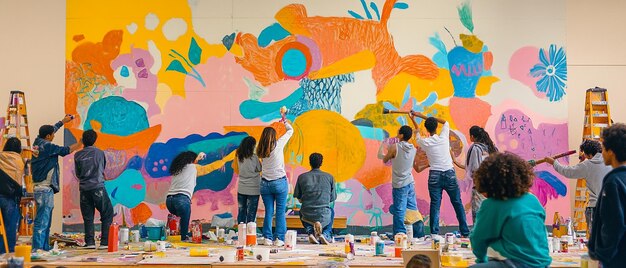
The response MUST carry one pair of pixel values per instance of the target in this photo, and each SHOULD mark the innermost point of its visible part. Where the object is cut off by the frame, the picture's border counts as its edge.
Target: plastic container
(154, 233)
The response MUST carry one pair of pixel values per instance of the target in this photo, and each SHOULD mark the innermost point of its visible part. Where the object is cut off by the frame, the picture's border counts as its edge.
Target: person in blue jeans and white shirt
(402, 156)
(11, 173)
(316, 191)
(274, 185)
(442, 176)
(45, 168)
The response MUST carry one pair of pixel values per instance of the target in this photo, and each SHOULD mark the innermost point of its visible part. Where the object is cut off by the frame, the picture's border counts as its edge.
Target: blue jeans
(502, 264)
(438, 181)
(180, 205)
(248, 205)
(44, 198)
(275, 192)
(11, 218)
(404, 198)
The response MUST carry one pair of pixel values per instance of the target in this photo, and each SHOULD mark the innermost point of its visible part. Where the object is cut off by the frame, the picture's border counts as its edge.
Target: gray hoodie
(592, 170)
(476, 153)
(402, 165)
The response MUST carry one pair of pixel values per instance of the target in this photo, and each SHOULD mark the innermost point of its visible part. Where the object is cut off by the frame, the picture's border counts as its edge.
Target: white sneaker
(278, 243)
(268, 242)
(437, 237)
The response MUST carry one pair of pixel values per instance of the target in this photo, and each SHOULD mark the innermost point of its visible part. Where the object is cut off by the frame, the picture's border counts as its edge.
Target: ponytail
(481, 136)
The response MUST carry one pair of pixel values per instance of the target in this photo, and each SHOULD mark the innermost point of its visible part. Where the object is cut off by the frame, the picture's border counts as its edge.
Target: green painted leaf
(195, 52)
(465, 13)
(175, 65)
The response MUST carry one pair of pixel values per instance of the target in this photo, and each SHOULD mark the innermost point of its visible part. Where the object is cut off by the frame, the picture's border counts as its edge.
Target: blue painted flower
(409, 103)
(553, 73)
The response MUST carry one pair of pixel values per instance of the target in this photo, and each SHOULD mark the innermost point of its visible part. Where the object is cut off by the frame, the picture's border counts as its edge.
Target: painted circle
(293, 63)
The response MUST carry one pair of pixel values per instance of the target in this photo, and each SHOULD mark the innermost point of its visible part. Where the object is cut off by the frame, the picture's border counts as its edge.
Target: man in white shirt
(442, 175)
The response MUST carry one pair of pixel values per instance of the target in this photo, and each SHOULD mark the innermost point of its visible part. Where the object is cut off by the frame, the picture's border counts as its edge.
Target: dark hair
(614, 140)
(13, 145)
(246, 148)
(89, 137)
(406, 132)
(419, 261)
(181, 161)
(431, 125)
(591, 147)
(316, 159)
(504, 175)
(481, 136)
(45, 130)
(267, 142)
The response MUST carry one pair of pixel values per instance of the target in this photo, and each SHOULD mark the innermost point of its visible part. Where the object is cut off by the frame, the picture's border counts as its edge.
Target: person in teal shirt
(510, 224)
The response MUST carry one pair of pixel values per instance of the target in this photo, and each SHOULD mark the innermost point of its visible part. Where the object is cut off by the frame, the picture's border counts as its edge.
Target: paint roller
(537, 162)
(387, 111)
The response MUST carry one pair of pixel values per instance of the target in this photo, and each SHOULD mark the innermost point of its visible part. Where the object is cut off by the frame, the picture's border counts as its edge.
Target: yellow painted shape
(164, 92)
(420, 88)
(290, 17)
(484, 85)
(472, 43)
(331, 135)
(357, 62)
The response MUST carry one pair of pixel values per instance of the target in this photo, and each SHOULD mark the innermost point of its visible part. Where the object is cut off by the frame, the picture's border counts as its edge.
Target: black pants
(89, 202)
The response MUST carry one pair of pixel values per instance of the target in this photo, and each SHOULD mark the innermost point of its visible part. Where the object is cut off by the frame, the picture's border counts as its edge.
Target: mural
(155, 78)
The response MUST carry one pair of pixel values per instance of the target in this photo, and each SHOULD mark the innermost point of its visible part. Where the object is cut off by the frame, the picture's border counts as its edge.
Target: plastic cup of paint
(228, 256)
(261, 254)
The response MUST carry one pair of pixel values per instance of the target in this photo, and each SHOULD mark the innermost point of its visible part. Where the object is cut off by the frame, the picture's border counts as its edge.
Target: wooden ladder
(17, 126)
(597, 118)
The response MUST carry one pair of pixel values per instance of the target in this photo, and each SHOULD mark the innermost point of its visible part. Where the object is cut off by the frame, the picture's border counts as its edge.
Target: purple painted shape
(140, 63)
(316, 58)
(145, 92)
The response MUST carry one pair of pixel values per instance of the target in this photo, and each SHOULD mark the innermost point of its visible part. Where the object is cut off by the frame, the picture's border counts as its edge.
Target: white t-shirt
(184, 182)
(437, 149)
(273, 167)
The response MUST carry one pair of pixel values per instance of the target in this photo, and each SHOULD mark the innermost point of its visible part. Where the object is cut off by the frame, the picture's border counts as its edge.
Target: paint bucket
(556, 244)
(261, 254)
(450, 238)
(241, 234)
(290, 239)
(173, 223)
(196, 231)
(409, 231)
(380, 247)
(124, 234)
(154, 233)
(134, 236)
(398, 252)
(228, 256)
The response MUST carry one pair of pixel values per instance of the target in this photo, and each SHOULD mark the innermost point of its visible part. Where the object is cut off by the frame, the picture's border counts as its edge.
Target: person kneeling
(509, 225)
(316, 190)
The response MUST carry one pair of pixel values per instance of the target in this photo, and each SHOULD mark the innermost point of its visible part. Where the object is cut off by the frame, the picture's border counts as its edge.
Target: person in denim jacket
(45, 168)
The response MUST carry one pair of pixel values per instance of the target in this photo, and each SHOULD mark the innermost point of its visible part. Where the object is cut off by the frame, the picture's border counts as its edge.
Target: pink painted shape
(316, 58)
(520, 64)
(146, 81)
(469, 112)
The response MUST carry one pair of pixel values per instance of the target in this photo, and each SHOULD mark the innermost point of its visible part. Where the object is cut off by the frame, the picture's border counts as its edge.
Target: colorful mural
(155, 78)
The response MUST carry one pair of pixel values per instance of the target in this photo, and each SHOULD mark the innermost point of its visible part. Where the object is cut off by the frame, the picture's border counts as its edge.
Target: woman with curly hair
(185, 170)
(509, 229)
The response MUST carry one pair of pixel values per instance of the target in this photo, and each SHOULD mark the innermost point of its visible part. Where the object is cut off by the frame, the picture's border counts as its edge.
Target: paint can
(290, 240)
(114, 231)
(398, 252)
(556, 244)
(196, 231)
(570, 239)
(124, 234)
(373, 238)
(349, 244)
(450, 238)
(436, 244)
(228, 256)
(401, 240)
(220, 234)
(261, 254)
(173, 223)
(241, 234)
(160, 246)
(240, 254)
(380, 247)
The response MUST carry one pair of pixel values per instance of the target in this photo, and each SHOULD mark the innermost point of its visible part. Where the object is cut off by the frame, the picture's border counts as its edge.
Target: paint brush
(537, 162)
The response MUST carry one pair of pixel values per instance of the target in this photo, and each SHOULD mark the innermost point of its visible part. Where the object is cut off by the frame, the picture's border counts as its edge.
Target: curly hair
(614, 140)
(591, 147)
(504, 175)
(181, 161)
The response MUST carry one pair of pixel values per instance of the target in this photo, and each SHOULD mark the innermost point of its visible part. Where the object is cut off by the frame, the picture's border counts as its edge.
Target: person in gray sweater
(592, 169)
(89, 166)
(248, 167)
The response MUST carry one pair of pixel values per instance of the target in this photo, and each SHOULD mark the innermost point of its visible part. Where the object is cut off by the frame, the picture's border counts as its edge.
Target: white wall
(33, 49)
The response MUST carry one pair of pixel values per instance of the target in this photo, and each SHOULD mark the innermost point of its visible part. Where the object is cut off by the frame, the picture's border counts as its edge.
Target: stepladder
(16, 125)
(597, 118)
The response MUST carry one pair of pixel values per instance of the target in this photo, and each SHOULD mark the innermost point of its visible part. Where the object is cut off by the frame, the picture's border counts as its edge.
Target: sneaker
(324, 240)
(317, 228)
(103, 247)
(88, 247)
(279, 243)
(437, 237)
(313, 240)
(268, 242)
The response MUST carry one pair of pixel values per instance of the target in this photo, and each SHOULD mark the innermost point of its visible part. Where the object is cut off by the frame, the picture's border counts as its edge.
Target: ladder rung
(581, 188)
(589, 137)
(580, 199)
(599, 103)
(598, 125)
(600, 115)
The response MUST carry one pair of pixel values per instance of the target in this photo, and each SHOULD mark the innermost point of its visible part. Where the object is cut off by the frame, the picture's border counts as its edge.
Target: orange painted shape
(140, 214)
(281, 53)
(469, 112)
(360, 61)
(140, 142)
(373, 172)
(291, 18)
(488, 60)
(78, 37)
(100, 54)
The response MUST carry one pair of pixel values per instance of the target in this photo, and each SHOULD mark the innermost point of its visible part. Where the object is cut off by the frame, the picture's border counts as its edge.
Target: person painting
(11, 173)
(45, 167)
(185, 170)
(316, 191)
(592, 169)
(608, 233)
(274, 186)
(482, 146)
(510, 226)
(442, 176)
(89, 164)
(248, 168)
(402, 156)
